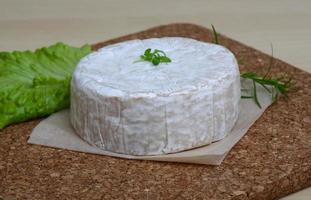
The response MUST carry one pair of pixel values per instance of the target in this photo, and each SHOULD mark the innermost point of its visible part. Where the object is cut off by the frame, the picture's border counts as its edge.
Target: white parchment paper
(56, 131)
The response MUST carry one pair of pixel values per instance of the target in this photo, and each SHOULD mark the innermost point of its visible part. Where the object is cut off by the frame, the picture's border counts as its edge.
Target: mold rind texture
(139, 109)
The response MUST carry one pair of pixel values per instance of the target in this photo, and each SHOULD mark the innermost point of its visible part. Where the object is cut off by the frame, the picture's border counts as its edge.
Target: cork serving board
(272, 160)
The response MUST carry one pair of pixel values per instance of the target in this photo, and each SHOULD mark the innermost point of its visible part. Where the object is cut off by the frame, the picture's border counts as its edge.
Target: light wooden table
(285, 23)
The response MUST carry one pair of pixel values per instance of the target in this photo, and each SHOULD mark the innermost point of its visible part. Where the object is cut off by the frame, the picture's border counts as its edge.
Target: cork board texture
(272, 160)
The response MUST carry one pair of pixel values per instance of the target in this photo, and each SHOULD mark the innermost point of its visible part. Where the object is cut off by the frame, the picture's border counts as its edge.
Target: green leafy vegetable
(35, 84)
(156, 57)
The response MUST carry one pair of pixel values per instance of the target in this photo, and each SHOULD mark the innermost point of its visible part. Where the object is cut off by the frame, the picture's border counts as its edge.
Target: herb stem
(255, 94)
(216, 41)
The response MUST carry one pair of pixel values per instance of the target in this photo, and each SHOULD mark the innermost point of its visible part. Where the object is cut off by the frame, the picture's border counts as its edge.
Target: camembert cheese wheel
(137, 108)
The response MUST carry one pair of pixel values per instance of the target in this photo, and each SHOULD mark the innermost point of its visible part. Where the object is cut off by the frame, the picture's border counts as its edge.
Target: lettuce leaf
(36, 84)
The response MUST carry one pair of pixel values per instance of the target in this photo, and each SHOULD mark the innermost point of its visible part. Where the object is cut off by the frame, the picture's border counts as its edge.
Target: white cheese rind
(141, 109)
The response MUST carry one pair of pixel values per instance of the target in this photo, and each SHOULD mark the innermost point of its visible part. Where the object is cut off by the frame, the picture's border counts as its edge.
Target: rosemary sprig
(275, 86)
(278, 85)
(156, 57)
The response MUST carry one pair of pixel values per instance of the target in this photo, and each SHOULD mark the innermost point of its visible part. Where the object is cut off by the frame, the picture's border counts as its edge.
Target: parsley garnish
(156, 57)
